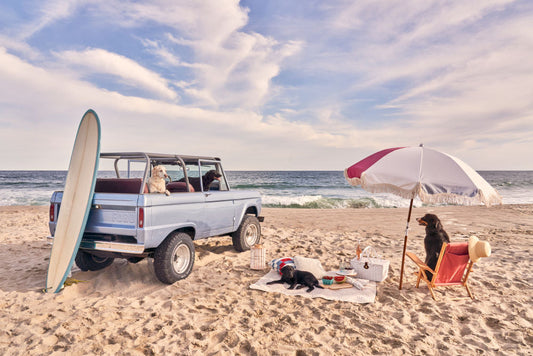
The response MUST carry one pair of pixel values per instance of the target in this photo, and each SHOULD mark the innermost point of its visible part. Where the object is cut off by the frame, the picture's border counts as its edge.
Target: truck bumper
(119, 247)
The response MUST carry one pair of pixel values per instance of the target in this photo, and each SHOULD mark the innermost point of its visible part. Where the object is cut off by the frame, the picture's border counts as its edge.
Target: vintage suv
(126, 221)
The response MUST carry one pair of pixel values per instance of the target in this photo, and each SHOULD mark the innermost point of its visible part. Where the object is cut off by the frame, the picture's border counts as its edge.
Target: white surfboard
(76, 201)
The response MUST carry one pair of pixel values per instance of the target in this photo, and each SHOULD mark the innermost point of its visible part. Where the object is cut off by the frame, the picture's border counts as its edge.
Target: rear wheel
(174, 258)
(89, 262)
(248, 234)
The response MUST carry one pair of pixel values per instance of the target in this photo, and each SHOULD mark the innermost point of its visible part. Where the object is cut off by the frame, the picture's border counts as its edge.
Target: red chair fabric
(453, 264)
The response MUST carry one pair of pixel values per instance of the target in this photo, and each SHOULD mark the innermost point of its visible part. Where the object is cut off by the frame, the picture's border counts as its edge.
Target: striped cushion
(278, 263)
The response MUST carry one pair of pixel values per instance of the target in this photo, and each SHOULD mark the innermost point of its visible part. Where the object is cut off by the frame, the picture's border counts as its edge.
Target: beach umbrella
(430, 175)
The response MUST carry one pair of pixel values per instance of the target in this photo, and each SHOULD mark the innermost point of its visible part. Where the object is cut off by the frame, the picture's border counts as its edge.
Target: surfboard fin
(70, 281)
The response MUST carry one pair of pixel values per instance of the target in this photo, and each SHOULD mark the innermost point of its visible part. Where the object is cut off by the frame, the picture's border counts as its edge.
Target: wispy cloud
(45, 13)
(98, 61)
(214, 19)
(450, 71)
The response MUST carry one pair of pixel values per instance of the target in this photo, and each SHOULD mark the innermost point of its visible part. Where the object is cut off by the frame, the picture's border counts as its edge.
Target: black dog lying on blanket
(294, 277)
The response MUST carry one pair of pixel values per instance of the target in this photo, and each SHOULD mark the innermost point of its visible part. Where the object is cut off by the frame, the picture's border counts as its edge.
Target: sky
(268, 85)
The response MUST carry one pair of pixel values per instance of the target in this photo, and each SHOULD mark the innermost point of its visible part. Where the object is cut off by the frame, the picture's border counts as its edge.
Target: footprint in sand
(493, 323)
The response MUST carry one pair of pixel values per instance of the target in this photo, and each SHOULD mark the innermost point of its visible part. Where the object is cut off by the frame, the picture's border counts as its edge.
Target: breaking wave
(320, 202)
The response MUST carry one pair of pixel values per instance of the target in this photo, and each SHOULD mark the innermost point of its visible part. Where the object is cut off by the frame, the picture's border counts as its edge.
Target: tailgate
(114, 214)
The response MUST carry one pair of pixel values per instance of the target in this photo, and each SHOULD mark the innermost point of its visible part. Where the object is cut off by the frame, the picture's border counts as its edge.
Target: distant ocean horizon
(280, 189)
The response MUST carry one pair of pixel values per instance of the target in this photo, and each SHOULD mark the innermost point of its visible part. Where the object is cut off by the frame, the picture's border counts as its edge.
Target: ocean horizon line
(278, 188)
(261, 170)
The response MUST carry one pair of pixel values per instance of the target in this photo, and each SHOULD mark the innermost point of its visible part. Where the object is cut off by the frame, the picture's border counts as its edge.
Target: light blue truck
(126, 221)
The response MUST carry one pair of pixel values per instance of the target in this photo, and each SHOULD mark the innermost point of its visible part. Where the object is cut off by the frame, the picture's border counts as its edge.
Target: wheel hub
(251, 234)
(181, 258)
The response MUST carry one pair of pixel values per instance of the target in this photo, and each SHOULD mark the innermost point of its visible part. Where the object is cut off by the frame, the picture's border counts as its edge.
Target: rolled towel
(357, 283)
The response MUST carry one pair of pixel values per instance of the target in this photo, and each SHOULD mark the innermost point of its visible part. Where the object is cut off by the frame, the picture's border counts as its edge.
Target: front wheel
(248, 234)
(174, 258)
(89, 262)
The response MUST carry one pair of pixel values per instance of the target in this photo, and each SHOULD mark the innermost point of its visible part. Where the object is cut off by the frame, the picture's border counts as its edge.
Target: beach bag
(370, 266)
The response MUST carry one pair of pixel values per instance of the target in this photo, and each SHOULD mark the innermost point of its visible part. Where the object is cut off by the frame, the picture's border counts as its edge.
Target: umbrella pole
(405, 242)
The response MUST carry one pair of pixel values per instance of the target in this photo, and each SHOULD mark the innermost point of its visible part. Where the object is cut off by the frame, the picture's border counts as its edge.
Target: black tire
(248, 234)
(174, 258)
(89, 262)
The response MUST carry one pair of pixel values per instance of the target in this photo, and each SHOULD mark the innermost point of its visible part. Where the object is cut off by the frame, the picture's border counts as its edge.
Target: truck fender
(250, 209)
(169, 230)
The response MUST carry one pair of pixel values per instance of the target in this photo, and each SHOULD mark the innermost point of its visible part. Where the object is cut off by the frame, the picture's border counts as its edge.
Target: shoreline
(123, 309)
(330, 209)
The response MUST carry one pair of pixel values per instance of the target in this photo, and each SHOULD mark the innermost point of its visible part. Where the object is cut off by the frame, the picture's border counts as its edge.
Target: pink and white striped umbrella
(430, 175)
(433, 176)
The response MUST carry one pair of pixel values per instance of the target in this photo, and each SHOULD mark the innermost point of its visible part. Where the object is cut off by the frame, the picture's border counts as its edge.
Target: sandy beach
(125, 310)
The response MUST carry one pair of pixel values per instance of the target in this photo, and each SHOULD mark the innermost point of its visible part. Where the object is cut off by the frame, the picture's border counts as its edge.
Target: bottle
(342, 266)
(358, 250)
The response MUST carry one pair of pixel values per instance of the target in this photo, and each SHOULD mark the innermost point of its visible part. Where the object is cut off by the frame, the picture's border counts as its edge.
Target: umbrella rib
(419, 187)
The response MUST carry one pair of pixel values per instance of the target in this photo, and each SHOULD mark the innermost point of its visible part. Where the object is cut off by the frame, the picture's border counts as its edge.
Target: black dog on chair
(435, 236)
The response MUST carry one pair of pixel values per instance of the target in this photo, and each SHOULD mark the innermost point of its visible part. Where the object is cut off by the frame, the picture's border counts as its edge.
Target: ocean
(281, 189)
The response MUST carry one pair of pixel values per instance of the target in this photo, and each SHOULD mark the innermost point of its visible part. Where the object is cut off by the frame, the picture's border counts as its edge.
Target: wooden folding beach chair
(452, 269)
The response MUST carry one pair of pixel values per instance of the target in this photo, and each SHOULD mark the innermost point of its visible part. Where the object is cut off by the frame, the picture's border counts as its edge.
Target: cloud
(59, 97)
(18, 46)
(449, 71)
(197, 20)
(477, 84)
(240, 74)
(231, 67)
(46, 13)
(99, 61)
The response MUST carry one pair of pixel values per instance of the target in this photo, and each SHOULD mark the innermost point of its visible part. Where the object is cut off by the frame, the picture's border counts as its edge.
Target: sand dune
(125, 310)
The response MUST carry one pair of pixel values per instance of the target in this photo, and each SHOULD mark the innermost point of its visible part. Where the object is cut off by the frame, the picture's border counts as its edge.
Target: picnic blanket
(354, 295)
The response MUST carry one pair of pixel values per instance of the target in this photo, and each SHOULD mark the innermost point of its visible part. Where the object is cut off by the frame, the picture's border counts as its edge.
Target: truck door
(220, 209)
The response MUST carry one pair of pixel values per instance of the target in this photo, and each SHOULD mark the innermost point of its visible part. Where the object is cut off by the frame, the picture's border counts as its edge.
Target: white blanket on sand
(354, 295)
